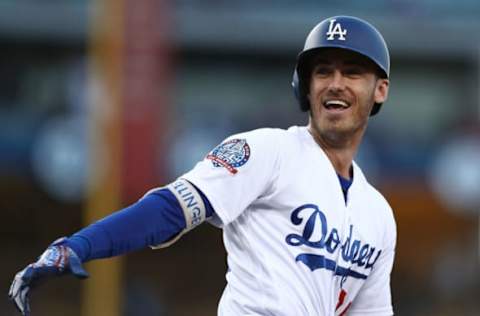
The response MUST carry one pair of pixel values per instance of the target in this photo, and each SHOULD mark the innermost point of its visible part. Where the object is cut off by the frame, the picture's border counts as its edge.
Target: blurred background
(102, 100)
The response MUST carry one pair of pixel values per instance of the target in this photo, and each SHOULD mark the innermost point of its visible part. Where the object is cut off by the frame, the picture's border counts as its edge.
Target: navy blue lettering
(363, 254)
(346, 246)
(370, 264)
(304, 239)
(352, 250)
(333, 241)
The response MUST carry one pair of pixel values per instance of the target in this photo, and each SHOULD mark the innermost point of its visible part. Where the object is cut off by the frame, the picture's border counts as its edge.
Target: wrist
(80, 246)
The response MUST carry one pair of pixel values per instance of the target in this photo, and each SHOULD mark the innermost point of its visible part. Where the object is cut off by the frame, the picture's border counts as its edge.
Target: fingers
(18, 293)
(55, 261)
(23, 302)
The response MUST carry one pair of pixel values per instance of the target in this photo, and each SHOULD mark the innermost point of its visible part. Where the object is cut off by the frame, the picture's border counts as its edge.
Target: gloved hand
(57, 260)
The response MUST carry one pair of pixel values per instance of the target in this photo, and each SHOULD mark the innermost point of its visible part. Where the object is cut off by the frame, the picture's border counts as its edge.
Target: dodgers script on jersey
(295, 246)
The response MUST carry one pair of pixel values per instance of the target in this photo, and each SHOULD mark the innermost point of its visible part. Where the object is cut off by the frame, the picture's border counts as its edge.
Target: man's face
(343, 88)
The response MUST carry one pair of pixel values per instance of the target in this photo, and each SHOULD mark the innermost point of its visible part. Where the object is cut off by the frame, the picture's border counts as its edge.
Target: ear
(381, 90)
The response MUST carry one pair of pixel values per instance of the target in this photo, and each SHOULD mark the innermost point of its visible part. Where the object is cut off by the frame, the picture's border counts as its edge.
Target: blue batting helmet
(343, 32)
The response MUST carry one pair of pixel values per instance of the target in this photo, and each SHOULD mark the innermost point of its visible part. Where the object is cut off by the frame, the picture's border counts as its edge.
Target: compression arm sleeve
(155, 219)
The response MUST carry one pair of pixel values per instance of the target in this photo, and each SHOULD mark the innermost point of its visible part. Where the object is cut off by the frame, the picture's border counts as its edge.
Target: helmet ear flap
(296, 85)
(375, 109)
(300, 95)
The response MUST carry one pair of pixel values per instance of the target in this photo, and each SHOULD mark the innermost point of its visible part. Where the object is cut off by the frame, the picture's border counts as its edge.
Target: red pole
(146, 87)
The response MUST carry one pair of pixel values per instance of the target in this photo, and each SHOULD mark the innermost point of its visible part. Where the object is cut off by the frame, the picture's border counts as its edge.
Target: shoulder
(268, 138)
(267, 133)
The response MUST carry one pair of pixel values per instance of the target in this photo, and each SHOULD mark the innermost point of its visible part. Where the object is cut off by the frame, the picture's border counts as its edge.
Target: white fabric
(287, 229)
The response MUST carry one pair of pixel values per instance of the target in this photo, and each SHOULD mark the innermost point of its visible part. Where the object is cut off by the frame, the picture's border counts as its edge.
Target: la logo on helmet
(335, 29)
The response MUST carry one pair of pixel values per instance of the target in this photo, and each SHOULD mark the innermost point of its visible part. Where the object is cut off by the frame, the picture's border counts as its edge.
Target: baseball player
(305, 233)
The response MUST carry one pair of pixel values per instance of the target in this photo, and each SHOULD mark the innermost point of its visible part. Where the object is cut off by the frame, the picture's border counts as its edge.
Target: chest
(322, 230)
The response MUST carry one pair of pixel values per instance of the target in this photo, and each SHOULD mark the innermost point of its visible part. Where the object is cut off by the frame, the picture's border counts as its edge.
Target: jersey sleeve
(236, 172)
(374, 298)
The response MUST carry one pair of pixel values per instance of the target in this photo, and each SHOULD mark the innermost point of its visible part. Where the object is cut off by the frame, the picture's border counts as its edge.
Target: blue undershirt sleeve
(153, 220)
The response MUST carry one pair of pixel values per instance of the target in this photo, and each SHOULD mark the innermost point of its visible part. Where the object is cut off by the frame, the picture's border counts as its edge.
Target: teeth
(337, 103)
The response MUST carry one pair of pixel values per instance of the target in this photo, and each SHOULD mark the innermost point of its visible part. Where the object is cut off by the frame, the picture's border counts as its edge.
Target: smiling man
(304, 231)
(343, 88)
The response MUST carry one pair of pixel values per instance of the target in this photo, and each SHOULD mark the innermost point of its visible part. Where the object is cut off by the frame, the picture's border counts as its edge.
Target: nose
(337, 82)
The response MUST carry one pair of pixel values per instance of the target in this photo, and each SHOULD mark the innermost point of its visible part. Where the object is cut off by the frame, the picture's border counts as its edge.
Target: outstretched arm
(159, 218)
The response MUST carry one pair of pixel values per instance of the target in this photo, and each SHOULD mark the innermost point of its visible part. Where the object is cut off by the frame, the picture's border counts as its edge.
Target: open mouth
(336, 105)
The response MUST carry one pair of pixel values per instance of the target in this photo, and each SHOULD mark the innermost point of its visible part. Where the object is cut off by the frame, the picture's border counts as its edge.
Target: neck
(339, 150)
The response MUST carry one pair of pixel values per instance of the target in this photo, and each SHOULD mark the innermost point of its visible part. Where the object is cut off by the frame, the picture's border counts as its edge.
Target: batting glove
(57, 260)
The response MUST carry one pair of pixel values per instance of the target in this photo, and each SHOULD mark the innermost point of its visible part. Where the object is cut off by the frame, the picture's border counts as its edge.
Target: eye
(322, 70)
(353, 71)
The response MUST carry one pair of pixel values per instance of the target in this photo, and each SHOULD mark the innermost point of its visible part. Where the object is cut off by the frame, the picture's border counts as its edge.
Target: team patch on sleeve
(231, 154)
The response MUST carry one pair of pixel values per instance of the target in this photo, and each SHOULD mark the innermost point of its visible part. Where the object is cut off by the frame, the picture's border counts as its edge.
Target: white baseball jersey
(295, 246)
